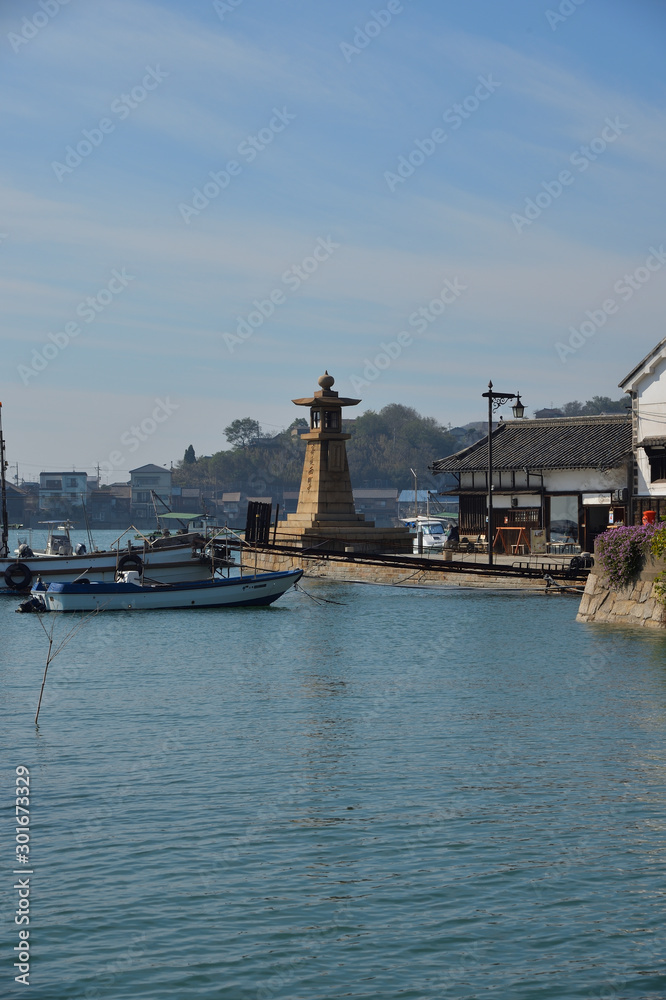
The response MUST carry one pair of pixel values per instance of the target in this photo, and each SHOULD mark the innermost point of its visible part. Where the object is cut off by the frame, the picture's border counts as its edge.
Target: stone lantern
(326, 514)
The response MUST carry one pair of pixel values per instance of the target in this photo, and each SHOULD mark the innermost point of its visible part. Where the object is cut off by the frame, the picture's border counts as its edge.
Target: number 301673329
(22, 815)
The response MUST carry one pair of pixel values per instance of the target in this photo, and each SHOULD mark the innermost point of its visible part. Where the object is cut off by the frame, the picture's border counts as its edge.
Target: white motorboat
(166, 559)
(435, 531)
(129, 594)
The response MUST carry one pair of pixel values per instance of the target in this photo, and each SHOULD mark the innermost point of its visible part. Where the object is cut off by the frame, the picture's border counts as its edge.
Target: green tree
(604, 404)
(241, 433)
(189, 458)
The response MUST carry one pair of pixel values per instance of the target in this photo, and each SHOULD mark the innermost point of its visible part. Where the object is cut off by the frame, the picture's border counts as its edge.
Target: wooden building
(562, 480)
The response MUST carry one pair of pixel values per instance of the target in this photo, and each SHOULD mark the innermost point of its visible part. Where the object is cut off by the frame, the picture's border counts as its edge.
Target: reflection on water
(416, 794)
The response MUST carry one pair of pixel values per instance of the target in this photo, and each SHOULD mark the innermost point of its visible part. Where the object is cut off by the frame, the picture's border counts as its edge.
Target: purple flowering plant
(621, 551)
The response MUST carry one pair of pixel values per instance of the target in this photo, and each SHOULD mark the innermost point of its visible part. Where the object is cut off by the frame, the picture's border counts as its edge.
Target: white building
(143, 481)
(646, 385)
(57, 489)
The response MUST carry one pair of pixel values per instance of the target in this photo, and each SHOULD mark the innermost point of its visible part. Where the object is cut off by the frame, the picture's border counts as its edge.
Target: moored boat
(129, 594)
(186, 557)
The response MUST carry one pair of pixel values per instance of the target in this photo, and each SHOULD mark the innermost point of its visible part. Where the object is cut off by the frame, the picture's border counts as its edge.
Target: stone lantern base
(359, 536)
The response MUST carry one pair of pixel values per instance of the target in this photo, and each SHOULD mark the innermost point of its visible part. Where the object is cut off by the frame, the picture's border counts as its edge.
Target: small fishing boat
(128, 593)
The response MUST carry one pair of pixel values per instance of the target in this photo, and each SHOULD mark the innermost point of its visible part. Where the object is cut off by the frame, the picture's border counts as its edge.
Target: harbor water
(400, 794)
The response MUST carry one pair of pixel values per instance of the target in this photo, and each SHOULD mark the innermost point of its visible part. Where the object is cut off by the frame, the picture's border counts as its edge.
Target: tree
(241, 433)
(604, 404)
(189, 458)
(598, 404)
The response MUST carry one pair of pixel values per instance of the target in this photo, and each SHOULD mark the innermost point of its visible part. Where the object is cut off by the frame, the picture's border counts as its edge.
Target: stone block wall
(636, 604)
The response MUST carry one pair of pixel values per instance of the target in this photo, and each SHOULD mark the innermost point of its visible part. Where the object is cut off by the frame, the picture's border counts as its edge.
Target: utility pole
(4, 544)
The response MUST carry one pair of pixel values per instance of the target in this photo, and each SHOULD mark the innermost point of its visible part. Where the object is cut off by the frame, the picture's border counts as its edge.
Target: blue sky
(532, 147)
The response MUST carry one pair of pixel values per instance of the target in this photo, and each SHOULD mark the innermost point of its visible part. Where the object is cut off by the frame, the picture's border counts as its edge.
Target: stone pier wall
(636, 604)
(351, 572)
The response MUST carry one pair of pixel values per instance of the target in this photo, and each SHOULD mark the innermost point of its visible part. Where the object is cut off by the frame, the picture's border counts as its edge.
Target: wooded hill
(384, 447)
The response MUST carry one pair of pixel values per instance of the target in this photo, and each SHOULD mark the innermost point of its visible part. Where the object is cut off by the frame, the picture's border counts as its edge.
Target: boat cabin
(58, 542)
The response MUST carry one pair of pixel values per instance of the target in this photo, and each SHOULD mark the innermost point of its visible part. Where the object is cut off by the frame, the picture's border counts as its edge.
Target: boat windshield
(433, 529)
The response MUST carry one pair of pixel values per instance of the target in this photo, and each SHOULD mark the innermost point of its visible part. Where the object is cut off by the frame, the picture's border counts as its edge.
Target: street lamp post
(495, 400)
(419, 530)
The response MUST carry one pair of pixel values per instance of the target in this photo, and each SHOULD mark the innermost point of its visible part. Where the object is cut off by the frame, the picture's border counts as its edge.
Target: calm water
(406, 794)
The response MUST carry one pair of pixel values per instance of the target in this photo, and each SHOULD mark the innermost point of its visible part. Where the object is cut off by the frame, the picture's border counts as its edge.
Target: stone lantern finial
(326, 381)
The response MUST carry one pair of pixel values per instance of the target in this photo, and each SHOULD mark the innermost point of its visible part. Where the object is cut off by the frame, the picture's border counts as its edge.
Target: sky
(205, 205)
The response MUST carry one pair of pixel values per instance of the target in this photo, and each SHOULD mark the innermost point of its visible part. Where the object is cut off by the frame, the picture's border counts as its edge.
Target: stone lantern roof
(326, 396)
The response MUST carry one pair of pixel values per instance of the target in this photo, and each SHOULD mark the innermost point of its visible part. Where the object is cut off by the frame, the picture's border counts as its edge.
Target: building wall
(142, 483)
(585, 480)
(72, 488)
(554, 480)
(650, 417)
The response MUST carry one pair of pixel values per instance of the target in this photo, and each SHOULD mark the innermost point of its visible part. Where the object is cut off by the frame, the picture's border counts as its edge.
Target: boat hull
(167, 565)
(245, 591)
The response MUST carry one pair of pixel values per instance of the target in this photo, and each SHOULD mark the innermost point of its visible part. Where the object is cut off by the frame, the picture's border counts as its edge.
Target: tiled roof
(554, 443)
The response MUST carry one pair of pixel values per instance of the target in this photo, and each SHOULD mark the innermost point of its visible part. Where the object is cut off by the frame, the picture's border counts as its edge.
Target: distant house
(646, 385)
(289, 502)
(60, 490)
(143, 481)
(380, 506)
(186, 500)
(111, 506)
(566, 478)
(16, 504)
(424, 498)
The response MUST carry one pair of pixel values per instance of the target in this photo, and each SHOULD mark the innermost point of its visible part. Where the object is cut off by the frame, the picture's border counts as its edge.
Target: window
(72, 482)
(316, 419)
(53, 484)
(657, 458)
(142, 497)
(147, 480)
(564, 519)
(528, 515)
(331, 420)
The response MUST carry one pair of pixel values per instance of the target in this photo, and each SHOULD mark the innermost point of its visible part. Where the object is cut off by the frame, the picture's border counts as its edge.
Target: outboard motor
(80, 549)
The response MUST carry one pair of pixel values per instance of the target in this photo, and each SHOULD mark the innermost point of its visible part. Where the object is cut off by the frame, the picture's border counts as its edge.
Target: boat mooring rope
(318, 600)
